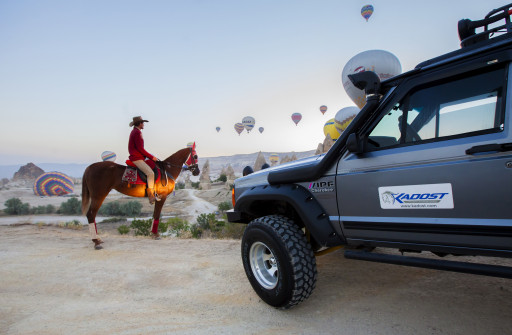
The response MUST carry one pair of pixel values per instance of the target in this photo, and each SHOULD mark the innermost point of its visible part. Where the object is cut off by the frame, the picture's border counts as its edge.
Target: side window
(464, 106)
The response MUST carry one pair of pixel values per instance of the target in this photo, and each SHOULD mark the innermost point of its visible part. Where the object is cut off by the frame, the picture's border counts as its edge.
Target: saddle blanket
(133, 175)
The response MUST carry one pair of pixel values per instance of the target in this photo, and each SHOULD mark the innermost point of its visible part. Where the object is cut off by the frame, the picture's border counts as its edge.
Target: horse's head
(191, 164)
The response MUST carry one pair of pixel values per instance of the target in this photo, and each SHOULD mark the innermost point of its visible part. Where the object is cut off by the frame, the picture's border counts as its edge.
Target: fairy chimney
(204, 180)
(328, 142)
(285, 159)
(260, 160)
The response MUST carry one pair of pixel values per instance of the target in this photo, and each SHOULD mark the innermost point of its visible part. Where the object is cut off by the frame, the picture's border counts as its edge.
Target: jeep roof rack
(466, 27)
(475, 43)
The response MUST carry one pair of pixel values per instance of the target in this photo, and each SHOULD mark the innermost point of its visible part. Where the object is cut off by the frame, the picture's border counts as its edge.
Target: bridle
(191, 164)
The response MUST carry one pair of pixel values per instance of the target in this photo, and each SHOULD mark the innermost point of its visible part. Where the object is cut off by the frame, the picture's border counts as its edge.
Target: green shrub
(179, 186)
(178, 227)
(123, 229)
(38, 210)
(50, 209)
(143, 227)
(131, 208)
(70, 207)
(75, 224)
(224, 206)
(14, 206)
(233, 230)
(196, 231)
(222, 178)
(113, 220)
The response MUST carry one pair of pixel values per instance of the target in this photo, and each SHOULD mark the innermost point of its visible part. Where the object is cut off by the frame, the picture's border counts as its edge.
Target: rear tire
(278, 261)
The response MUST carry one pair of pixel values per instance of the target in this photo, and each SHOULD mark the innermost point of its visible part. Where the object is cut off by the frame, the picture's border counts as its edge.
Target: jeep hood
(261, 177)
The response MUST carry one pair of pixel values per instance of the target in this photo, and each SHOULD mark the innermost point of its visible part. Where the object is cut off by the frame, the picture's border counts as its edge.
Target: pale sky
(74, 73)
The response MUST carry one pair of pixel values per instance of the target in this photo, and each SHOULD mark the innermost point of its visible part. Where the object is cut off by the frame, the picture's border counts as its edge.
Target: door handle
(494, 147)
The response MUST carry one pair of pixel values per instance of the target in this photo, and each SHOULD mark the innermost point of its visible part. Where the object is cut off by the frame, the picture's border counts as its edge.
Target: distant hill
(238, 162)
(72, 170)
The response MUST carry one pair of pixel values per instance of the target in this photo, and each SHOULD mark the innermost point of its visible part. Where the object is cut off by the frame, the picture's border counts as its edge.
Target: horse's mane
(179, 156)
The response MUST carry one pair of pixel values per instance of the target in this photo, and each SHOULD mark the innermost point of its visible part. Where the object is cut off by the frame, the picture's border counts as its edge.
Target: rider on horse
(138, 153)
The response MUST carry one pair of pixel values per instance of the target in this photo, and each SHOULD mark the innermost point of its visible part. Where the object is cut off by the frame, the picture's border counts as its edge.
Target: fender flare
(307, 207)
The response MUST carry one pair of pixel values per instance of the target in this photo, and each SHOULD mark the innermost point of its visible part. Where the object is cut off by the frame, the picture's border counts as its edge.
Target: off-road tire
(278, 261)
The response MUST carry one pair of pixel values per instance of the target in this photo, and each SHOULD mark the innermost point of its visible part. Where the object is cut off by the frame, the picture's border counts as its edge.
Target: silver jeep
(425, 166)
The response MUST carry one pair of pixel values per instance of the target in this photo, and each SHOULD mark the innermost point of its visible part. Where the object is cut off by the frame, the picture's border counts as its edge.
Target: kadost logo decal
(427, 196)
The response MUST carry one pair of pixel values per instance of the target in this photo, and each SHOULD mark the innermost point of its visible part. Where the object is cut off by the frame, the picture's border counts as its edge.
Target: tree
(70, 207)
(14, 206)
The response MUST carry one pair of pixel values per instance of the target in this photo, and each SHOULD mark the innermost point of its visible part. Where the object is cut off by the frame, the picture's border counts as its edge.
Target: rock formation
(260, 160)
(324, 147)
(28, 173)
(285, 159)
(204, 180)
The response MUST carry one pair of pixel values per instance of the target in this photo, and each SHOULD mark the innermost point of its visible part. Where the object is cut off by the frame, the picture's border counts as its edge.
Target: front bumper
(234, 216)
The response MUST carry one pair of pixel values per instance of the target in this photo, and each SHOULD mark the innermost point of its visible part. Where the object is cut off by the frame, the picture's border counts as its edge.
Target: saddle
(134, 175)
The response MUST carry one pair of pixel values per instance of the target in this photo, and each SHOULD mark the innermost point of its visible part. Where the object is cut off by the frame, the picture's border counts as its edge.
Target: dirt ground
(53, 282)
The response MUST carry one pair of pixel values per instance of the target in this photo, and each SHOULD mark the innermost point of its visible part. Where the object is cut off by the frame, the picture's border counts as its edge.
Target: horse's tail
(86, 197)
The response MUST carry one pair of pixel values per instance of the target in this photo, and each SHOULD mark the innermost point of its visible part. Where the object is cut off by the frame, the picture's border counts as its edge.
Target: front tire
(278, 261)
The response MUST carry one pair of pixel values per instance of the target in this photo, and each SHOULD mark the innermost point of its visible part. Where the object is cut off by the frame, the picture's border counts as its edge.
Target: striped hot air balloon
(330, 129)
(323, 109)
(344, 117)
(367, 11)
(53, 184)
(108, 156)
(296, 117)
(239, 127)
(274, 158)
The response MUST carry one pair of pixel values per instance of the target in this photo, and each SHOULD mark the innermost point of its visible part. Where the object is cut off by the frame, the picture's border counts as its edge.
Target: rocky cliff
(28, 172)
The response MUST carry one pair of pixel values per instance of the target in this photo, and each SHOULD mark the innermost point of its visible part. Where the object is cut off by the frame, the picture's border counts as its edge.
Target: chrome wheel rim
(264, 265)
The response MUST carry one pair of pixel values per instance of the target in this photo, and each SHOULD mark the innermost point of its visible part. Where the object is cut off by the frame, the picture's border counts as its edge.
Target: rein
(163, 164)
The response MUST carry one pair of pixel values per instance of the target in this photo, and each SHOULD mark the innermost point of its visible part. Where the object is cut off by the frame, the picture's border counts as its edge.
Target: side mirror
(354, 144)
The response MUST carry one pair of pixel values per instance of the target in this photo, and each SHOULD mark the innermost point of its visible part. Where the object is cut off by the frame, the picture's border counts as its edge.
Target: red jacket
(136, 146)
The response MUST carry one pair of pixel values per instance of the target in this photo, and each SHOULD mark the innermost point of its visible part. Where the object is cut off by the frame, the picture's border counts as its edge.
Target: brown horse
(100, 178)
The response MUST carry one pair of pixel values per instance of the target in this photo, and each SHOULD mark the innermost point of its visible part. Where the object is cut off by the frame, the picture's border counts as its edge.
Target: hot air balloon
(344, 117)
(248, 123)
(367, 11)
(330, 129)
(296, 117)
(323, 109)
(53, 184)
(383, 63)
(274, 158)
(108, 156)
(217, 129)
(239, 127)
(190, 144)
(261, 129)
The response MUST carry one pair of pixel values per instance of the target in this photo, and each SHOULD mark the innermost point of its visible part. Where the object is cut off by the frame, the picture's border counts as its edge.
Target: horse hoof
(98, 247)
